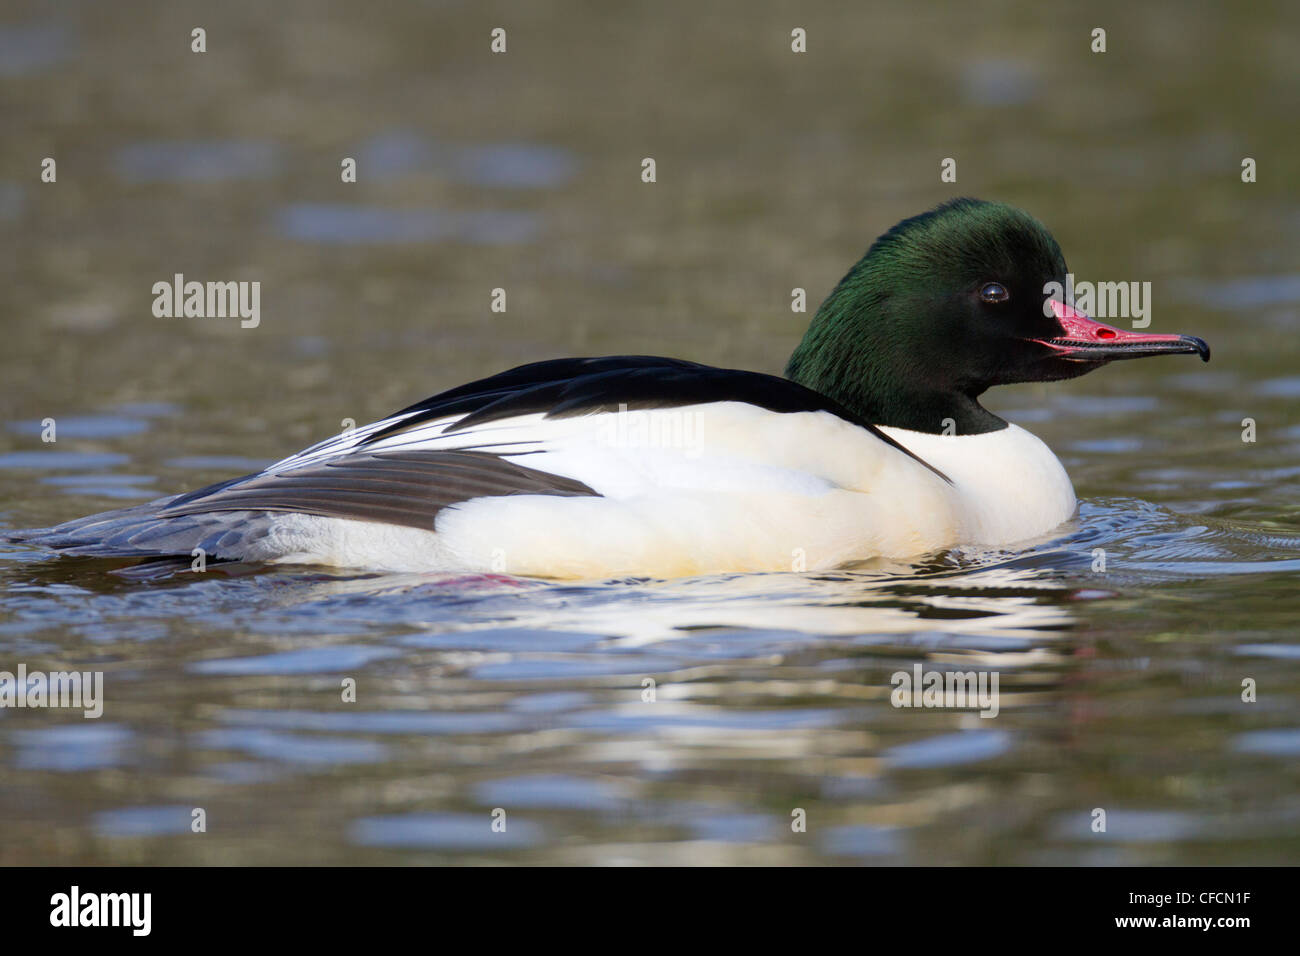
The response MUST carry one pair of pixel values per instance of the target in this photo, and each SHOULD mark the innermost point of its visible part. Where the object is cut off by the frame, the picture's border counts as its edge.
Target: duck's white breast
(1009, 485)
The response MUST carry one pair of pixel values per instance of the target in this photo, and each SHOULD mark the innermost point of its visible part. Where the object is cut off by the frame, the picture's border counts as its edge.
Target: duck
(872, 445)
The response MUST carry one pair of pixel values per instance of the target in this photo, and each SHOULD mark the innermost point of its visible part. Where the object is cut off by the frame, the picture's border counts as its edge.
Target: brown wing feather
(395, 487)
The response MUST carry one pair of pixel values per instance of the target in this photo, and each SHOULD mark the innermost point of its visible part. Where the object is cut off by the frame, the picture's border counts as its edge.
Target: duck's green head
(944, 306)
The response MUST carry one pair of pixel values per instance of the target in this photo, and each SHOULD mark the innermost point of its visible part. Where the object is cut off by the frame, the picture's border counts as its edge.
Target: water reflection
(32, 47)
(196, 162)
(538, 690)
(365, 225)
(501, 165)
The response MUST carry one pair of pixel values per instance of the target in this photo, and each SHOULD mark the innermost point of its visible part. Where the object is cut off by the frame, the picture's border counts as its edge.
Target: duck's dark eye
(994, 292)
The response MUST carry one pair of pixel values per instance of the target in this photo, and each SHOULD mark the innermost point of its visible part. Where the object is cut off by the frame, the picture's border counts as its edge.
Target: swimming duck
(874, 444)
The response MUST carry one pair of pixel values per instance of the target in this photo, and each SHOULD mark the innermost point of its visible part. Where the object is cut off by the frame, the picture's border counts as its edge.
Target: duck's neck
(934, 413)
(856, 354)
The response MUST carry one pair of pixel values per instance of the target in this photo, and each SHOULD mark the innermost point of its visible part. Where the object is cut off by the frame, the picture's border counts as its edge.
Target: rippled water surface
(686, 721)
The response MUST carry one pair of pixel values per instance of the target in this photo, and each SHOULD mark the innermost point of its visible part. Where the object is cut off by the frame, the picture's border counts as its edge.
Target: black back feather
(559, 388)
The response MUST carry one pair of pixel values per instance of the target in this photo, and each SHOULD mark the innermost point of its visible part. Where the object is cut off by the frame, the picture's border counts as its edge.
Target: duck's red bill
(1088, 340)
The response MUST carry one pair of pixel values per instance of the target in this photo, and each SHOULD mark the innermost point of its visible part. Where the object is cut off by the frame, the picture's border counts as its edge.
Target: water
(1120, 689)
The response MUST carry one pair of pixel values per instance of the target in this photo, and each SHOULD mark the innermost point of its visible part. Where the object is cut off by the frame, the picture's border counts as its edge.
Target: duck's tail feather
(141, 531)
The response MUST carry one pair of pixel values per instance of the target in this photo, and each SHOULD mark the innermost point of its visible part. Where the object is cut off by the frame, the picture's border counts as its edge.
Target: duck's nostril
(1105, 333)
